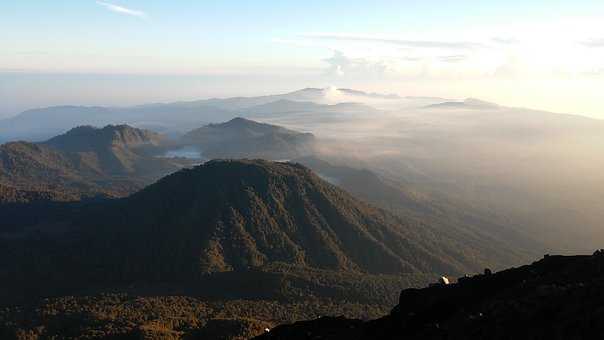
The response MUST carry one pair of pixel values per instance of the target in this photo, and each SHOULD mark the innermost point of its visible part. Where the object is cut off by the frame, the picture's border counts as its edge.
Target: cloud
(123, 10)
(400, 42)
(452, 58)
(597, 72)
(504, 41)
(340, 65)
(594, 43)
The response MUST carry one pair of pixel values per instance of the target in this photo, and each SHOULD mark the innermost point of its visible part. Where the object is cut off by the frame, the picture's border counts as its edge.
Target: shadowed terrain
(558, 297)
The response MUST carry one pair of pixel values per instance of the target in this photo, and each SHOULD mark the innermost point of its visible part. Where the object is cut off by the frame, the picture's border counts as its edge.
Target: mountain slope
(38, 167)
(243, 138)
(558, 297)
(112, 150)
(11, 195)
(235, 215)
(85, 162)
(85, 138)
(501, 243)
(274, 234)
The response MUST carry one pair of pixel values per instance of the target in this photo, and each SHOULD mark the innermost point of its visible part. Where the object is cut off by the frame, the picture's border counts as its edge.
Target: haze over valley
(301, 170)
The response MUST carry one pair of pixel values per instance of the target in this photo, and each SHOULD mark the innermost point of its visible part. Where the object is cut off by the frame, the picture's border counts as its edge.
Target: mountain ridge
(556, 297)
(244, 138)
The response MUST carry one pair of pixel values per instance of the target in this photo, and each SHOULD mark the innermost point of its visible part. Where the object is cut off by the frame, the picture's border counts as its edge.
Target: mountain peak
(87, 137)
(242, 214)
(244, 138)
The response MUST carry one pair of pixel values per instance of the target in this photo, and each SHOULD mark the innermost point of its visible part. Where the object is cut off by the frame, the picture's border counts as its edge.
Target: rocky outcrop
(558, 297)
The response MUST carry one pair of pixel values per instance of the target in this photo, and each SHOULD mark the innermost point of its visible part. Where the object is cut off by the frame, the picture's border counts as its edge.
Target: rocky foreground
(558, 297)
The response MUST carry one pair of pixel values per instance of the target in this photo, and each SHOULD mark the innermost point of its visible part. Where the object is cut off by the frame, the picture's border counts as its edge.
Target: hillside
(456, 220)
(11, 195)
(228, 216)
(114, 150)
(243, 138)
(237, 233)
(232, 216)
(37, 167)
(558, 297)
(85, 161)
(244, 233)
(85, 138)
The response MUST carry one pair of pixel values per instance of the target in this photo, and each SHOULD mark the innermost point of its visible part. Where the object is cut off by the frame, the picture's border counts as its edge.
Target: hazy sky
(544, 54)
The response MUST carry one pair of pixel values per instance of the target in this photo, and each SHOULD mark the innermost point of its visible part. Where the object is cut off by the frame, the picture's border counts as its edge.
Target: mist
(536, 171)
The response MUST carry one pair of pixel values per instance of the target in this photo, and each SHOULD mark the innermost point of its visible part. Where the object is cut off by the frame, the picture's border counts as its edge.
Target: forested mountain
(229, 230)
(38, 167)
(243, 138)
(115, 150)
(457, 220)
(85, 162)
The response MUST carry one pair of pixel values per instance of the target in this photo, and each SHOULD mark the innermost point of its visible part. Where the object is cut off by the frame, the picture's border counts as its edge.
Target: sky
(542, 54)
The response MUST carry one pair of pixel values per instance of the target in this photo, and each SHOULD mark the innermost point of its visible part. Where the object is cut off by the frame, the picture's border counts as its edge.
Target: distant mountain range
(177, 118)
(117, 160)
(468, 104)
(386, 193)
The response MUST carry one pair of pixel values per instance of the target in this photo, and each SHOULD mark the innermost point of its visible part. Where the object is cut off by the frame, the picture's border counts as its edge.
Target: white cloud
(340, 65)
(594, 43)
(452, 58)
(123, 10)
(504, 41)
(400, 42)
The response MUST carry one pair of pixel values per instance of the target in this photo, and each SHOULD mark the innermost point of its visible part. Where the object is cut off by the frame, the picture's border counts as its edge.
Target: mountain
(37, 167)
(251, 241)
(243, 138)
(84, 162)
(557, 297)
(468, 104)
(171, 118)
(57, 119)
(234, 215)
(86, 138)
(358, 93)
(459, 221)
(236, 235)
(364, 184)
(315, 95)
(286, 107)
(113, 150)
(11, 195)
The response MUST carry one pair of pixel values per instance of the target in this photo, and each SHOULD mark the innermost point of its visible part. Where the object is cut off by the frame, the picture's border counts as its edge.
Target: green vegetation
(243, 138)
(162, 317)
(228, 246)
